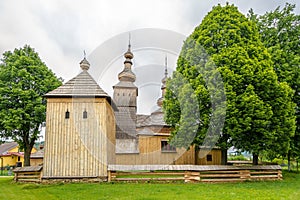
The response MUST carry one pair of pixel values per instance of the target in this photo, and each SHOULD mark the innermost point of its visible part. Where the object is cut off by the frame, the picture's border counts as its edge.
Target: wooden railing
(193, 173)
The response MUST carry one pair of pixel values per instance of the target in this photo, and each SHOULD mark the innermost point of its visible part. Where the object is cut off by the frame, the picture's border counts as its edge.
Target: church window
(209, 157)
(166, 147)
(84, 114)
(67, 115)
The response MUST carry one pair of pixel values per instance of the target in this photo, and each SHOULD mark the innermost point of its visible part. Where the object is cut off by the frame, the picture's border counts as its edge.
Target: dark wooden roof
(155, 119)
(125, 84)
(7, 146)
(126, 126)
(28, 169)
(38, 154)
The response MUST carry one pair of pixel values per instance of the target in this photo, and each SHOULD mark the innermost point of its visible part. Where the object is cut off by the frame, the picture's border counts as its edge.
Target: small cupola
(84, 64)
(127, 74)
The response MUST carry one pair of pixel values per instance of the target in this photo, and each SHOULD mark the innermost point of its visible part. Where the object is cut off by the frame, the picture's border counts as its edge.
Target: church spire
(163, 86)
(127, 74)
(125, 97)
(164, 80)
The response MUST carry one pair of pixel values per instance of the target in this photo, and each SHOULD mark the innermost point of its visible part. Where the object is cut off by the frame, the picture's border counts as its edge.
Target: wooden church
(87, 130)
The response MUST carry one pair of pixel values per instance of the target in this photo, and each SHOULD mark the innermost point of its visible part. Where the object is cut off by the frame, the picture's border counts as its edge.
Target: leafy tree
(280, 33)
(24, 79)
(260, 112)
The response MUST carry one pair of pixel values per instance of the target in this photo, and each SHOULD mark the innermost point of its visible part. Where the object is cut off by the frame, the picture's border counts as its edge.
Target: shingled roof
(83, 85)
(7, 146)
(155, 119)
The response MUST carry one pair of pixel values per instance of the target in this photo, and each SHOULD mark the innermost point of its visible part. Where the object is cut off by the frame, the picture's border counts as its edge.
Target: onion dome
(127, 74)
(84, 64)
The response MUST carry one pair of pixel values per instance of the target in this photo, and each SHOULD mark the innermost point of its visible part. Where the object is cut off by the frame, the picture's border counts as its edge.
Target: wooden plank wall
(77, 147)
(150, 153)
(36, 161)
(111, 134)
(201, 157)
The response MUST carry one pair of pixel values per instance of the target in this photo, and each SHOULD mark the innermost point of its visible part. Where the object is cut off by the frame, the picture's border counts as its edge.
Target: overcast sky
(60, 30)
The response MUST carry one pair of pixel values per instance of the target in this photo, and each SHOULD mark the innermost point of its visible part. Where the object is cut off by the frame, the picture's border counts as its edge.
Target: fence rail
(193, 173)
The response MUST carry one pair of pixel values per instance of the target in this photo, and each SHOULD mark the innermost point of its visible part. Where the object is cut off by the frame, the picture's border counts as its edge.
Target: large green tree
(280, 33)
(260, 111)
(24, 79)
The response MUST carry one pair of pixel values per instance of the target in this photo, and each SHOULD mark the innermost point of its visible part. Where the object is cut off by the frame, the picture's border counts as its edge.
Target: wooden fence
(193, 173)
(28, 174)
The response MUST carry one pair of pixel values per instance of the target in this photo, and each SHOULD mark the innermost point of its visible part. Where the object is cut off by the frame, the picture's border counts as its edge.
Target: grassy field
(289, 188)
(4, 172)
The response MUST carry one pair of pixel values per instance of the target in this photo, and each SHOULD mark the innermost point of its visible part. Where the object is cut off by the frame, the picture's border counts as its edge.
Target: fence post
(245, 175)
(279, 174)
(16, 176)
(191, 176)
(109, 176)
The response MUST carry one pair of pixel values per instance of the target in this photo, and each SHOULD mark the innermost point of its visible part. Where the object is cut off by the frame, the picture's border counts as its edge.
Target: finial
(166, 60)
(166, 66)
(129, 45)
(128, 55)
(84, 54)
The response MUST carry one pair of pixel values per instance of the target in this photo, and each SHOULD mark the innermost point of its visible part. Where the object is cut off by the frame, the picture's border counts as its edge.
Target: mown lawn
(289, 188)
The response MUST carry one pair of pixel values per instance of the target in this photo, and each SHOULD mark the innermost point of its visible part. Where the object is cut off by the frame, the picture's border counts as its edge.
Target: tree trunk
(224, 157)
(255, 159)
(289, 161)
(27, 152)
(196, 155)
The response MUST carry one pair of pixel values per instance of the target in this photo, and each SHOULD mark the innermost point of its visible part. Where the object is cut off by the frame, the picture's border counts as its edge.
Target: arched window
(84, 114)
(67, 115)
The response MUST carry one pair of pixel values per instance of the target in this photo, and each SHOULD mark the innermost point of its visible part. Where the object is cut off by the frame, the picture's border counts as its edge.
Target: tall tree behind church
(260, 111)
(280, 32)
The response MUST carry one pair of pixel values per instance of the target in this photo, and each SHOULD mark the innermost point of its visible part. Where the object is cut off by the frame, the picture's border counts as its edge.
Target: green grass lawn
(5, 172)
(289, 188)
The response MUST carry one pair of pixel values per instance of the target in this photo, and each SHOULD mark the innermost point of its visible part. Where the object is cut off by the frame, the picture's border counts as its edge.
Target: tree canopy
(24, 79)
(259, 108)
(280, 33)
